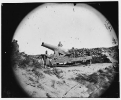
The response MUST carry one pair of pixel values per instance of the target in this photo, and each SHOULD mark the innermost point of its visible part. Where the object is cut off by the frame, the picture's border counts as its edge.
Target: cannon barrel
(54, 48)
(49, 46)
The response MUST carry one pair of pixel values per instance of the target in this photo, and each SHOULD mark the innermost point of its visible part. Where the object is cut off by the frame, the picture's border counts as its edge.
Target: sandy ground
(61, 85)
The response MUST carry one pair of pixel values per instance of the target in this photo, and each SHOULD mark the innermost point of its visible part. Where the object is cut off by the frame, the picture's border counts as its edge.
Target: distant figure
(73, 51)
(60, 44)
(41, 61)
(46, 52)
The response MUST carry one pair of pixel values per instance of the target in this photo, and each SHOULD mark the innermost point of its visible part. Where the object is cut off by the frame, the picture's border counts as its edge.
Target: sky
(79, 26)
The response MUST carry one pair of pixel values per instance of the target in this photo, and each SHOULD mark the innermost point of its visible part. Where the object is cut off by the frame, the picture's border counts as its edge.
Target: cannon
(63, 58)
(57, 50)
